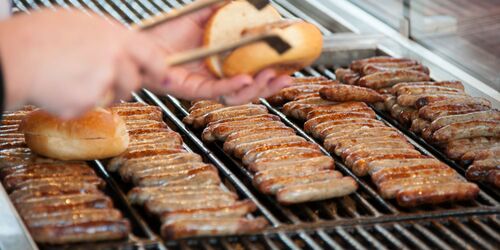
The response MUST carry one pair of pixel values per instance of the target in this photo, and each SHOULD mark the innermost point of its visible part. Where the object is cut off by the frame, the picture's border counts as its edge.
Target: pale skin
(67, 62)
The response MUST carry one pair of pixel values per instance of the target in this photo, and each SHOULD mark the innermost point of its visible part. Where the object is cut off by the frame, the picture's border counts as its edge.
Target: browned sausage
(221, 131)
(254, 135)
(455, 149)
(480, 172)
(275, 150)
(272, 186)
(481, 154)
(334, 116)
(418, 125)
(431, 112)
(242, 110)
(139, 195)
(317, 162)
(450, 99)
(389, 78)
(427, 98)
(211, 226)
(319, 190)
(438, 193)
(236, 210)
(474, 116)
(82, 232)
(391, 188)
(470, 129)
(357, 65)
(448, 84)
(375, 68)
(243, 148)
(345, 93)
(426, 89)
(379, 174)
(134, 165)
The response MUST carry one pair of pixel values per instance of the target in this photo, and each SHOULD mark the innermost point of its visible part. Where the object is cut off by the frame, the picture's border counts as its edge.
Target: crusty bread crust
(228, 23)
(97, 134)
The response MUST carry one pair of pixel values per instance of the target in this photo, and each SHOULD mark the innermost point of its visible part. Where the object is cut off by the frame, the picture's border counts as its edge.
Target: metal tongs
(271, 38)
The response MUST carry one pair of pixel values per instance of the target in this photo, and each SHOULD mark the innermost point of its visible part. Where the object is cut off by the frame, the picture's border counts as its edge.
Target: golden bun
(236, 19)
(98, 134)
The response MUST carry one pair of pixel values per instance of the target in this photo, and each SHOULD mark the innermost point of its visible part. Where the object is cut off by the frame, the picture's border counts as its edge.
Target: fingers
(148, 56)
(127, 79)
(252, 91)
(183, 83)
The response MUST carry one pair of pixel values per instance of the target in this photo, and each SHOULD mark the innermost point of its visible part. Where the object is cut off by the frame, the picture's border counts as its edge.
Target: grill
(362, 220)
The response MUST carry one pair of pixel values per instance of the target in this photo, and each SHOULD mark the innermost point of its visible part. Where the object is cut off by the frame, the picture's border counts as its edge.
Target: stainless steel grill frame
(363, 220)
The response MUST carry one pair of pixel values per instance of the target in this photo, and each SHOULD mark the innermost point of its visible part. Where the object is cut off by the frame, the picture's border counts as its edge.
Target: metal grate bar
(374, 242)
(416, 241)
(470, 234)
(174, 3)
(162, 5)
(138, 9)
(108, 9)
(21, 7)
(47, 4)
(424, 231)
(487, 230)
(32, 4)
(452, 236)
(149, 6)
(353, 242)
(397, 243)
(125, 10)
(62, 4)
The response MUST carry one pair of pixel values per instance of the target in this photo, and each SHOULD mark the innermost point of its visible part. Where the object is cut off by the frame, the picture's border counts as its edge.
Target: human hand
(66, 62)
(194, 80)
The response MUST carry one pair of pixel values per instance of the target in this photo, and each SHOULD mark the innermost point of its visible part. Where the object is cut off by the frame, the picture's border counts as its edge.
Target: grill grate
(362, 220)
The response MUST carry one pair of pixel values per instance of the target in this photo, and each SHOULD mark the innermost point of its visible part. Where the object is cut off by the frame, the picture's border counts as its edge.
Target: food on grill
(299, 89)
(60, 202)
(283, 163)
(97, 134)
(463, 126)
(346, 93)
(369, 147)
(388, 78)
(238, 19)
(176, 185)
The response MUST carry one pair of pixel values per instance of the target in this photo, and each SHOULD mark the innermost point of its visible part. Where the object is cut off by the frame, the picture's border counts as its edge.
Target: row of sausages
(174, 184)
(284, 164)
(337, 114)
(60, 202)
(466, 128)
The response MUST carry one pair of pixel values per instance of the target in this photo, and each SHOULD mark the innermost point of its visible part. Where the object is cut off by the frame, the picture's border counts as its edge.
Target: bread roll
(238, 19)
(97, 134)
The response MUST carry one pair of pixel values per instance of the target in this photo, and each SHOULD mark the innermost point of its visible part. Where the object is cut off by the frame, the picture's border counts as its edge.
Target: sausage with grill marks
(420, 100)
(385, 165)
(139, 195)
(272, 186)
(221, 131)
(464, 130)
(375, 68)
(133, 165)
(335, 116)
(493, 115)
(426, 89)
(68, 218)
(389, 189)
(90, 179)
(159, 206)
(319, 190)
(431, 113)
(419, 125)
(448, 84)
(241, 149)
(162, 179)
(196, 117)
(403, 171)
(276, 149)
(449, 98)
(481, 154)
(392, 154)
(236, 210)
(287, 171)
(316, 131)
(255, 134)
(389, 78)
(455, 149)
(344, 93)
(357, 65)
(479, 172)
(415, 173)
(227, 112)
(212, 226)
(348, 129)
(82, 232)
(438, 193)
(316, 162)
